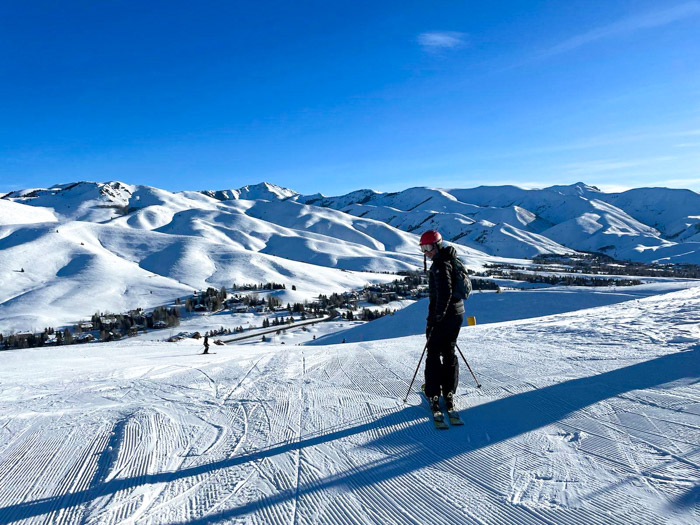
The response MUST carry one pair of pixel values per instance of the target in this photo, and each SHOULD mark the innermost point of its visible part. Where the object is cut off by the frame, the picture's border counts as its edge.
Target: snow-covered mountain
(264, 190)
(73, 249)
(15, 213)
(83, 201)
(90, 246)
(646, 224)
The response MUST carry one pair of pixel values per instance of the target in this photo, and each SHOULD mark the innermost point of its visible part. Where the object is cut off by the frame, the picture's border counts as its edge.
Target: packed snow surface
(591, 416)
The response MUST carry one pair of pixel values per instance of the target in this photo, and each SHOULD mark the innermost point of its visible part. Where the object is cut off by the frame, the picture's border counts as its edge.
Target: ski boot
(438, 416)
(452, 414)
(449, 402)
(435, 404)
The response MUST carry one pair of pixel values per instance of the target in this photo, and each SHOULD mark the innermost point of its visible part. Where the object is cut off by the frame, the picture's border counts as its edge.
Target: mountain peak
(354, 197)
(578, 188)
(266, 190)
(260, 191)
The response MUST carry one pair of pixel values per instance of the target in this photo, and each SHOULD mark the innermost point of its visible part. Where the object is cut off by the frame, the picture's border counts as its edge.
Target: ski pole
(418, 367)
(478, 385)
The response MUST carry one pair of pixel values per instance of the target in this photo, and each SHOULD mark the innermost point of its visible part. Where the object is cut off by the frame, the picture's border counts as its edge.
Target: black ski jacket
(440, 284)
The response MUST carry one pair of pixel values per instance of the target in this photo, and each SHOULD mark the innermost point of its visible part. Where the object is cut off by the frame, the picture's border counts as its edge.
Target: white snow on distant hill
(117, 247)
(585, 417)
(675, 213)
(264, 190)
(83, 201)
(514, 222)
(15, 213)
(111, 246)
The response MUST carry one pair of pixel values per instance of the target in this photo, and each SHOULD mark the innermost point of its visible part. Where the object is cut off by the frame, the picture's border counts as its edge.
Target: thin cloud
(689, 183)
(625, 26)
(683, 182)
(598, 166)
(612, 188)
(441, 40)
(602, 141)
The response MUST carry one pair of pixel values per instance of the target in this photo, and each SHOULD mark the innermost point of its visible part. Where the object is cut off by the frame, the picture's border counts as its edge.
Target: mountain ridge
(640, 224)
(112, 246)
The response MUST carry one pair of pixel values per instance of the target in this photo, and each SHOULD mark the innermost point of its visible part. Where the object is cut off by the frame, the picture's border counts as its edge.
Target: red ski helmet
(431, 237)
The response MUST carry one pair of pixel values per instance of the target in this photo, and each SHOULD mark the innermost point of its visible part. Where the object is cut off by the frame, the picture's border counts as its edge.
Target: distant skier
(445, 317)
(206, 344)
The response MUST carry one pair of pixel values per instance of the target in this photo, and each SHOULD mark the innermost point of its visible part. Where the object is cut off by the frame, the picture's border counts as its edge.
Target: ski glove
(432, 321)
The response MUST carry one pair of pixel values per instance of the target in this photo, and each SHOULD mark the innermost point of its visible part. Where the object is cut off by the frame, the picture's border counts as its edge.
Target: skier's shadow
(407, 441)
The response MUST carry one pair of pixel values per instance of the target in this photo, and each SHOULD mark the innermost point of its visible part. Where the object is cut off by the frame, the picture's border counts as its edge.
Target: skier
(445, 317)
(206, 344)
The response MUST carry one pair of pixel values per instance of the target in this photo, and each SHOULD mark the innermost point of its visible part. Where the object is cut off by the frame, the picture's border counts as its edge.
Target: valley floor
(591, 416)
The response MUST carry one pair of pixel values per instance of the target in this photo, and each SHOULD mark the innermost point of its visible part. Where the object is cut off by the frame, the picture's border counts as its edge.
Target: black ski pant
(441, 365)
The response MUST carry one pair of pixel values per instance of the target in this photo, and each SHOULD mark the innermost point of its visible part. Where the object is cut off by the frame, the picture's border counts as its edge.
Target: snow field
(83, 268)
(591, 416)
(14, 213)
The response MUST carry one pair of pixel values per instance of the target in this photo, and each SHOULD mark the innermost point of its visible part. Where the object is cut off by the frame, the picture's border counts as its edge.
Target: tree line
(552, 279)
(103, 326)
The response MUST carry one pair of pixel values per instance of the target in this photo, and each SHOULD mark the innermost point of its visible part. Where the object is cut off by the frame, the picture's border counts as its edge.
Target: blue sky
(335, 96)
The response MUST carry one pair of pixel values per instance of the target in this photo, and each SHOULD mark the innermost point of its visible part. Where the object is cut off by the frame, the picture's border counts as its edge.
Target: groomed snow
(591, 416)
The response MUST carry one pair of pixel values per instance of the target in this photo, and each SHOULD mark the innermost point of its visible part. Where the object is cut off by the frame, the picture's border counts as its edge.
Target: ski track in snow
(584, 417)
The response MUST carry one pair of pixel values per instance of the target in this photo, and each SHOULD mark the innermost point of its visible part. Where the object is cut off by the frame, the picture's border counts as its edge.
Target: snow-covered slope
(648, 224)
(16, 213)
(586, 417)
(675, 213)
(84, 201)
(111, 246)
(264, 191)
(79, 268)
(504, 231)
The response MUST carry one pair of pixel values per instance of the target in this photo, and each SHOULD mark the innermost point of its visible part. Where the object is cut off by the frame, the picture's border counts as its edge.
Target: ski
(452, 414)
(438, 416)
(455, 418)
(439, 421)
(208, 353)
